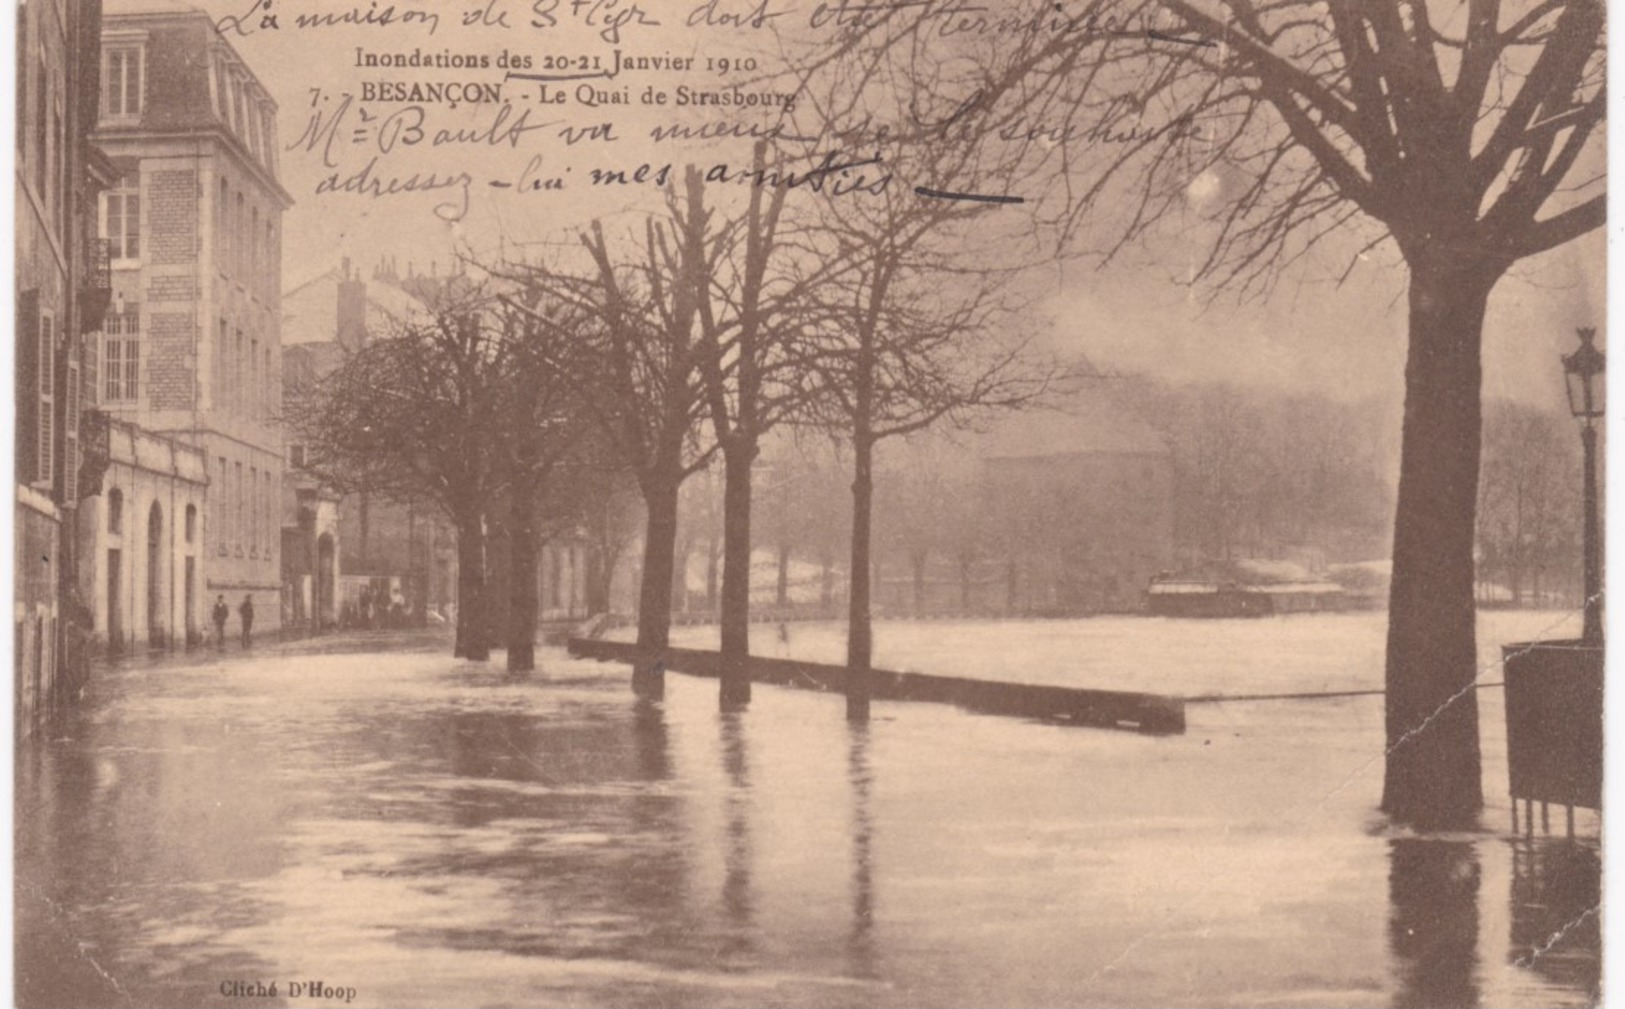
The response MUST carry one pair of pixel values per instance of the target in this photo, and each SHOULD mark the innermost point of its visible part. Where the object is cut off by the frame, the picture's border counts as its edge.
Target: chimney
(352, 311)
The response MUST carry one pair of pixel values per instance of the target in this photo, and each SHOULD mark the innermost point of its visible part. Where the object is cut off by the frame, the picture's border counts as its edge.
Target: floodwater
(406, 829)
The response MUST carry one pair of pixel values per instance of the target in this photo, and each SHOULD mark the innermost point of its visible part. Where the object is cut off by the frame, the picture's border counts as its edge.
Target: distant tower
(195, 226)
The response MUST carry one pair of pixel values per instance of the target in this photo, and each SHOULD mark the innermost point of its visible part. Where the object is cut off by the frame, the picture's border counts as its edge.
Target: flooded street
(402, 828)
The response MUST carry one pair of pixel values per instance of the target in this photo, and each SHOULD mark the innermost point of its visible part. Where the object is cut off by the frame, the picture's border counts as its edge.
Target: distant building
(390, 550)
(358, 548)
(61, 295)
(1079, 509)
(192, 348)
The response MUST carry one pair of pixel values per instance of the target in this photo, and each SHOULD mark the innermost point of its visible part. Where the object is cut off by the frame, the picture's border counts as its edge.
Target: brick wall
(173, 288)
(170, 362)
(172, 217)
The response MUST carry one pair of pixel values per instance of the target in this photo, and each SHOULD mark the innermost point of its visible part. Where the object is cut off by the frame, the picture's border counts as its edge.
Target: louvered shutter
(45, 455)
(26, 384)
(70, 440)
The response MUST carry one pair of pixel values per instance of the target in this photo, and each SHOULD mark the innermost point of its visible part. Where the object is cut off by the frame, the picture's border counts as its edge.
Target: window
(220, 371)
(122, 371)
(218, 90)
(222, 229)
(45, 471)
(254, 248)
(237, 375)
(42, 124)
(237, 529)
(270, 275)
(268, 126)
(239, 237)
(59, 161)
(251, 401)
(269, 399)
(121, 218)
(254, 510)
(218, 495)
(121, 79)
(296, 456)
(191, 523)
(115, 512)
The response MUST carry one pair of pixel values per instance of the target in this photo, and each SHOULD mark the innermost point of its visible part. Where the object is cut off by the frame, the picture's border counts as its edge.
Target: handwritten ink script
(444, 106)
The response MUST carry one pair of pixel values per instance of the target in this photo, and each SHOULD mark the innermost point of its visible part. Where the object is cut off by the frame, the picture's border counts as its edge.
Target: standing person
(220, 614)
(246, 613)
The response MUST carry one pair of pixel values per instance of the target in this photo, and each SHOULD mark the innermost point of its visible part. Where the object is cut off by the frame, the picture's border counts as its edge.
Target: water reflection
(1433, 892)
(861, 940)
(100, 885)
(737, 899)
(1556, 905)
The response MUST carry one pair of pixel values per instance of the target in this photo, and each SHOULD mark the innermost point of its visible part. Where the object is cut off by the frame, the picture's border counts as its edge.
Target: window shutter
(70, 441)
(26, 383)
(46, 455)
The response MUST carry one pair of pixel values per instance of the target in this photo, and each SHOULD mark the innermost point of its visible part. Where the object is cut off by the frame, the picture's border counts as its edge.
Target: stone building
(144, 580)
(192, 345)
(360, 544)
(61, 293)
(1080, 510)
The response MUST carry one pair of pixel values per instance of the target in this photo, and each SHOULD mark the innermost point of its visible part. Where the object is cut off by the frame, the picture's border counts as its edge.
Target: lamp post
(1583, 373)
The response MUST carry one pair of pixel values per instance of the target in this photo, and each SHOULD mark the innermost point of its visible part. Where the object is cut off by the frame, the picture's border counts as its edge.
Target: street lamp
(1583, 372)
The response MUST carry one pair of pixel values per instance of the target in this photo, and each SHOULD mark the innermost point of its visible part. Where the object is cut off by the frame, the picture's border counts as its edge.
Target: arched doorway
(190, 582)
(155, 575)
(326, 572)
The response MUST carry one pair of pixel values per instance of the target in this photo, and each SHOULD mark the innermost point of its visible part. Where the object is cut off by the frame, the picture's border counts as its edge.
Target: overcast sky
(1346, 342)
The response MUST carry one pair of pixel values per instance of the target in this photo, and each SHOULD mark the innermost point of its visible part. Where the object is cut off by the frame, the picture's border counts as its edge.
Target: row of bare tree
(1459, 138)
(653, 350)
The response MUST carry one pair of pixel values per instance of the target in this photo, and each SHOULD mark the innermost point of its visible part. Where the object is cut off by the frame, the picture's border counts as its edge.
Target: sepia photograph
(839, 503)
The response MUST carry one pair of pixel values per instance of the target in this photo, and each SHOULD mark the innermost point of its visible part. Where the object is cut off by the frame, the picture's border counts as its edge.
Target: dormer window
(122, 79)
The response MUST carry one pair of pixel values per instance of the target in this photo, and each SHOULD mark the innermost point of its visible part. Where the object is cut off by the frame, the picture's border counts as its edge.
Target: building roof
(310, 309)
(1092, 421)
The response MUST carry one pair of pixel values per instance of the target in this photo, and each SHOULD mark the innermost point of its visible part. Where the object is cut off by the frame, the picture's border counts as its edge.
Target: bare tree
(916, 339)
(1528, 515)
(1464, 135)
(641, 384)
(415, 414)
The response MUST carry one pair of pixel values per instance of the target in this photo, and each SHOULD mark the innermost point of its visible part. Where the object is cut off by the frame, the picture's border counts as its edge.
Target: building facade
(1079, 507)
(374, 552)
(192, 344)
(144, 577)
(61, 293)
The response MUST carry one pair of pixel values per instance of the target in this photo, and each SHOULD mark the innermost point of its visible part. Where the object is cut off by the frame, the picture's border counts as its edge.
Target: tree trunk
(918, 559)
(712, 552)
(1432, 777)
(522, 554)
(782, 595)
(859, 632)
(472, 642)
(964, 585)
(734, 660)
(598, 573)
(826, 583)
(654, 590)
(679, 575)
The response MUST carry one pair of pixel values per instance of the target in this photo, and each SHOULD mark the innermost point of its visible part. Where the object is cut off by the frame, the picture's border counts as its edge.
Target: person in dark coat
(246, 613)
(220, 614)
